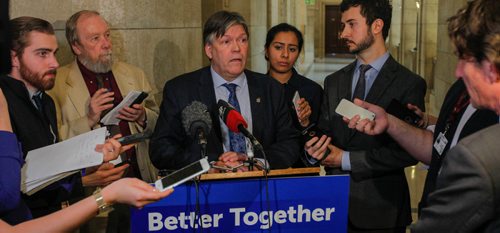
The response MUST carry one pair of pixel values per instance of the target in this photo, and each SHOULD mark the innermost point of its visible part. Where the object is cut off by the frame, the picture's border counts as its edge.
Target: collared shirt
(370, 76)
(34, 93)
(109, 81)
(243, 96)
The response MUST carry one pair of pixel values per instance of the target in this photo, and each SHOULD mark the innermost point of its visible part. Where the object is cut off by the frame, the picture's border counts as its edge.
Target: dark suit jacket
(467, 195)
(379, 196)
(32, 131)
(481, 119)
(310, 91)
(171, 148)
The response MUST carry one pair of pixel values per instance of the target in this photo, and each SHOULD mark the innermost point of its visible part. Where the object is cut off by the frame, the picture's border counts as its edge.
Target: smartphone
(400, 111)
(134, 138)
(311, 131)
(307, 134)
(139, 98)
(348, 109)
(182, 175)
(296, 97)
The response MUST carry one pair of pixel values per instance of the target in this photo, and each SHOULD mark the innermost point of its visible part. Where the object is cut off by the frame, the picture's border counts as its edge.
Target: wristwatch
(103, 207)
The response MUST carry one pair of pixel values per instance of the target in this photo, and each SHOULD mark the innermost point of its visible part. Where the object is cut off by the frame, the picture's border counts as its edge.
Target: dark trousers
(119, 219)
(353, 229)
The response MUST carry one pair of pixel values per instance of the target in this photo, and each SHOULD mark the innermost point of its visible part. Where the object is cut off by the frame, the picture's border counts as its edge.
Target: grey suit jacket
(379, 196)
(467, 195)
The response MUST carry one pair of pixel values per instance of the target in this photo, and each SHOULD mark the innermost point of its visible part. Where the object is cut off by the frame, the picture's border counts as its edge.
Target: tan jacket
(72, 99)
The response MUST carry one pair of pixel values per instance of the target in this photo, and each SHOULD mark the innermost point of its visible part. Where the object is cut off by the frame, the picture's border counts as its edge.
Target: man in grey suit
(375, 163)
(466, 197)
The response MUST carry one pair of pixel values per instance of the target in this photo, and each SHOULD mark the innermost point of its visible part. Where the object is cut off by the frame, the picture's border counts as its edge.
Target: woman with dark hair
(284, 43)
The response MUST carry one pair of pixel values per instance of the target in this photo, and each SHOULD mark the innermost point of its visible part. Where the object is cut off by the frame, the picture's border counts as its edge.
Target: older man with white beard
(94, 84)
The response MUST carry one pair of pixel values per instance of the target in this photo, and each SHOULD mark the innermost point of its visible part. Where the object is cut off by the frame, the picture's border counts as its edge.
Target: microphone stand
(256, 144)
(202, 141)
(250, 155)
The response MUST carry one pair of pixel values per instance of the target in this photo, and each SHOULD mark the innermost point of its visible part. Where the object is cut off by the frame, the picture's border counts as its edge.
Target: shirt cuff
(346, 161)
(310, 159)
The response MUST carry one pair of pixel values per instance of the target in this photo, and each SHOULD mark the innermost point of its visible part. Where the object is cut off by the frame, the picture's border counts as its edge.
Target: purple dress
(12, 209)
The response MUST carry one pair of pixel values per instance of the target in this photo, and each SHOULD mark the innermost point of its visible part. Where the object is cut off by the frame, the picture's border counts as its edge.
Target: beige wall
(446, 60)
(163, 37)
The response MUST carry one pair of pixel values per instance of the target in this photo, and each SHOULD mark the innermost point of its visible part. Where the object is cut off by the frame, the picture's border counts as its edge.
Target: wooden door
(333, 43)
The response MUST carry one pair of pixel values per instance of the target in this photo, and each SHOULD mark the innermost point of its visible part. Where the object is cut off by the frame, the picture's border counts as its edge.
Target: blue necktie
(236, 140)
(359, 91)
(37, 98)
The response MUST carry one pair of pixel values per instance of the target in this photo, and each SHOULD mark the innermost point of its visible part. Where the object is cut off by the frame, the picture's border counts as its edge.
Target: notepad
(48, 164)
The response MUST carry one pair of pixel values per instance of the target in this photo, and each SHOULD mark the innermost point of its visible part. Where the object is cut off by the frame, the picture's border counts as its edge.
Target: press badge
(440, 143)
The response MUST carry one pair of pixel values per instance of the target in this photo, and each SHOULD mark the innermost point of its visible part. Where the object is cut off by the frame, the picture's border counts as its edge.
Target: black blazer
(379, 196)
(29, 125)
(312, 92)
(33, 132)
(171, 148)
(480, 119)
(309, 90)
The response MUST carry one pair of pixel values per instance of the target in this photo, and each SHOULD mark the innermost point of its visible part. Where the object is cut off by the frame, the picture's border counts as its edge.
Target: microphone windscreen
(194, 116)
(234, 119)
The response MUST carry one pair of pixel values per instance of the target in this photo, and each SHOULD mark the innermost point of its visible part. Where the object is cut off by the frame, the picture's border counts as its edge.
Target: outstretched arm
(418, 142)
(129, 191)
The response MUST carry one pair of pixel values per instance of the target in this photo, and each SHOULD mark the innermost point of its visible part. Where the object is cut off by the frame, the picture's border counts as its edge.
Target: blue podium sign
(297, 204)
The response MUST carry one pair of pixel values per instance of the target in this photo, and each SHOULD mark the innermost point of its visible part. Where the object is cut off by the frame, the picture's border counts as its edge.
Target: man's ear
(491, 71)
(76, 48)
(377, 26)
(208, 50)
(495, 73)
(14, 59)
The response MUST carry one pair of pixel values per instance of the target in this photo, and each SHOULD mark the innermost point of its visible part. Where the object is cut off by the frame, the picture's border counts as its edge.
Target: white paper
(73, 154)
(110, 118)
(30, 188)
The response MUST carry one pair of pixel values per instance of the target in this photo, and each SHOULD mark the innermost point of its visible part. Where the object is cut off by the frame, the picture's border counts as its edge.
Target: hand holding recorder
(182, 175)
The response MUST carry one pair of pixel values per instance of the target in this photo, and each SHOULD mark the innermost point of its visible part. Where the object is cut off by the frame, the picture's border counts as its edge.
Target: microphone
(196, 121)
(235, 122)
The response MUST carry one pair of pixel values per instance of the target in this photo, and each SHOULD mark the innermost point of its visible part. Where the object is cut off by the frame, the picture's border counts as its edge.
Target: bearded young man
(32, 112)
(379, 199)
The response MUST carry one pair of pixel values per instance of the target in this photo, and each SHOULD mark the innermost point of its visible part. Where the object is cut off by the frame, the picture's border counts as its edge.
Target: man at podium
(189, 126)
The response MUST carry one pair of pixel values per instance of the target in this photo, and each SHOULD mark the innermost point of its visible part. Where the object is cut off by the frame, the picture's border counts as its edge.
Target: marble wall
(163, 37)
(446, 60)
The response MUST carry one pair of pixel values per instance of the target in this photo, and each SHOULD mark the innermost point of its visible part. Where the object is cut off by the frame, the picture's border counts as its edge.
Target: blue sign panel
(299, 204)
